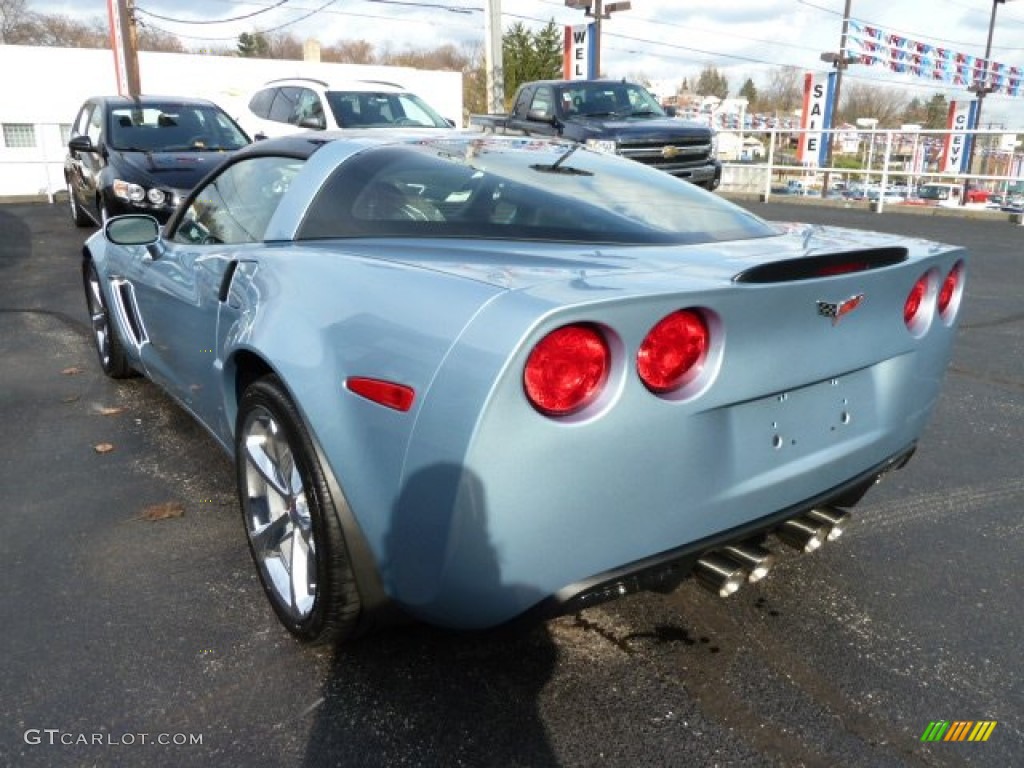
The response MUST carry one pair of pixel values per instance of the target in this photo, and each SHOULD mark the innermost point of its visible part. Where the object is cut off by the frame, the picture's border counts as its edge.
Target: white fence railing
(764, 162)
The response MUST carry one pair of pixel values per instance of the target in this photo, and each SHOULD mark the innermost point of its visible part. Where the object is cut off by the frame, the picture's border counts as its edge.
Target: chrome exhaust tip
(719, 574)
(834, 518)
(756, 560)
(803, 533)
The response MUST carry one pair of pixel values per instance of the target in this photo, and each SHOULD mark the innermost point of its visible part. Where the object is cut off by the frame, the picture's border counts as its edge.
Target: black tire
(109, 349)
(80, 217)
(292, 519)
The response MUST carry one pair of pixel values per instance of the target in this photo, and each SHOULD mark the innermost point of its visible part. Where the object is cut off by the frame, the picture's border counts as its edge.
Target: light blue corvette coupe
(471, 380)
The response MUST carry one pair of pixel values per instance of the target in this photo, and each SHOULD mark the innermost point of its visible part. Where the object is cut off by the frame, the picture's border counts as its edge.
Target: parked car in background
(612, 116)
(477, 378)
(295, 104)
(143, 155)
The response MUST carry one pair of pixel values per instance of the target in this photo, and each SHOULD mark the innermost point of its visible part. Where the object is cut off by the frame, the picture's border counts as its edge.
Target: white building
(44, 87)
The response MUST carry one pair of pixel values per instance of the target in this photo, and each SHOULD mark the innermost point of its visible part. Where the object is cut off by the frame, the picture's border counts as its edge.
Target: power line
(214, 21)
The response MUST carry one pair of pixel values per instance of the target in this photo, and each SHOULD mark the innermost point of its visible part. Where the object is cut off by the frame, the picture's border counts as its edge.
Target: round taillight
(567, 370)
(914, 304)
(673, 351)
(949, 287)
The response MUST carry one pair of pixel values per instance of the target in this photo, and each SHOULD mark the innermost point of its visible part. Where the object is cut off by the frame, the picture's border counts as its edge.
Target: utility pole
(982, 89)
(493, 61)
(124, 42)
(840, 62)
(599, 12)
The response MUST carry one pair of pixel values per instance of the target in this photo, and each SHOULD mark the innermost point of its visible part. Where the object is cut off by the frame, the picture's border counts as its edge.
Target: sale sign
(816, 118)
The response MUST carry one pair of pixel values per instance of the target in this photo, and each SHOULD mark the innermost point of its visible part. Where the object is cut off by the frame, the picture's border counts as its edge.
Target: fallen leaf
(163, 511)
(72, 371)
(110, 410)
(103, 447)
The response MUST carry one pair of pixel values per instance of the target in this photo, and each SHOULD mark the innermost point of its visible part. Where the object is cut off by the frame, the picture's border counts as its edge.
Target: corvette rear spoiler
(822, 265)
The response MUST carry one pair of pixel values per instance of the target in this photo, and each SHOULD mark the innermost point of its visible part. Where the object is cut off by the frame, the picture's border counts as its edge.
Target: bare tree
(283, 45)
(151, 39)
(15, 22)
(784, 91)
(350, 52)
(887, 105)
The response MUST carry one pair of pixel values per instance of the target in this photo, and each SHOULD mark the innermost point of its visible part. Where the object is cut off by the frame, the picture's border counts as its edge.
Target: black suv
(143, 155)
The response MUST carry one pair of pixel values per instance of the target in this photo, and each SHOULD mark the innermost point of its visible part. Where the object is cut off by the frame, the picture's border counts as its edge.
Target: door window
(283, 108)
(237, 205)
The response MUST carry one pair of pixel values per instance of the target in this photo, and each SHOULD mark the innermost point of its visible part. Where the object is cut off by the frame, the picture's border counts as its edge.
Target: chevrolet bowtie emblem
(668, 151)
(835, 311)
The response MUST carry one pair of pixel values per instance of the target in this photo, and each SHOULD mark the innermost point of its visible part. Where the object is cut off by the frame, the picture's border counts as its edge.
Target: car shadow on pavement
(420, 696)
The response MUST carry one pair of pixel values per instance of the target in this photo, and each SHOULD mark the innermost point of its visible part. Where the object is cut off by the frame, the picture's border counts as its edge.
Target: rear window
(491, 188)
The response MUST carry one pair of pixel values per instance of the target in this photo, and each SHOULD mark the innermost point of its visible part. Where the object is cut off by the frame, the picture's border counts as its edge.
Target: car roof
(339, 85)
(577, 83)
(150, 100)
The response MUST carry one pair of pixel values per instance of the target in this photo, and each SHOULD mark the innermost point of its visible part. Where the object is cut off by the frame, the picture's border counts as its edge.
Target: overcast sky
(659, 39)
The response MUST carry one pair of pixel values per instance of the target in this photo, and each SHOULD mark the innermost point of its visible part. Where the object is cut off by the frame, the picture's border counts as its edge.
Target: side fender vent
(823, 265)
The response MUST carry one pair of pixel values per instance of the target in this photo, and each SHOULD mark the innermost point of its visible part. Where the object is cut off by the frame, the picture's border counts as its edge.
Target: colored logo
(958, 730)
(835, 311)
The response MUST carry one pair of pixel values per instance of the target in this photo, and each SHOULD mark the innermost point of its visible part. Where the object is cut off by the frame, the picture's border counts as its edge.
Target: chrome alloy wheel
(277, 517)
(99, 315)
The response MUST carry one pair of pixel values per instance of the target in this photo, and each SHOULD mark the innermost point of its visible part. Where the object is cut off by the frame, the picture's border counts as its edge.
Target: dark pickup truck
(615, 117)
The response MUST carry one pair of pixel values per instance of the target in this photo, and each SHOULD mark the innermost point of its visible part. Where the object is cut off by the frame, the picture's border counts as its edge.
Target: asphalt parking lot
(135, 632)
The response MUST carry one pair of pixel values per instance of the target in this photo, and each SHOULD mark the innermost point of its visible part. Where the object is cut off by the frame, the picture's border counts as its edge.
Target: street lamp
(594, 9)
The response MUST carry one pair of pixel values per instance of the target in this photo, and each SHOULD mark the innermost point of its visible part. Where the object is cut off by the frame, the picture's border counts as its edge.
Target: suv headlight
(714, 143)
(607, 146)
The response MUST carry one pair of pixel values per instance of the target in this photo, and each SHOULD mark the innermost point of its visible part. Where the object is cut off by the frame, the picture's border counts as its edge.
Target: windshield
(173, 128)
(517, 189)
(382, 110)
(933, 192)
(607, 99)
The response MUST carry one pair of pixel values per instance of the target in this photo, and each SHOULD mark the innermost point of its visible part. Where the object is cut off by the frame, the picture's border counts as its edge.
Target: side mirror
(313, 123)
(133, 229)
(670, 111)
(540, 116)
(81, 144)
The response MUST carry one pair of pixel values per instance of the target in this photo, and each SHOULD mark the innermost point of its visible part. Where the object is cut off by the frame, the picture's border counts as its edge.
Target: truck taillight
(567, 370)
(674, 351)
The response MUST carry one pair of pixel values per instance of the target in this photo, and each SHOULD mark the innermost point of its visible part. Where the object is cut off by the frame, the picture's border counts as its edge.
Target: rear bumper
(665, 571)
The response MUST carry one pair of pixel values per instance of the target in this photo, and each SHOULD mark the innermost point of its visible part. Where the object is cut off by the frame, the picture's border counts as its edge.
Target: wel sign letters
(579, 53)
